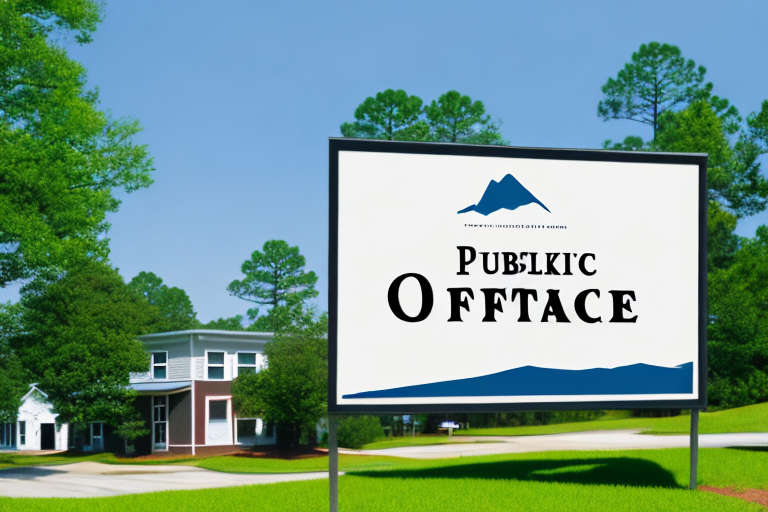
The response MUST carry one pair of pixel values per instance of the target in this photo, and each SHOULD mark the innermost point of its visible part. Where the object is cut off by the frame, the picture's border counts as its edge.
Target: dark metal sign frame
(338, 145)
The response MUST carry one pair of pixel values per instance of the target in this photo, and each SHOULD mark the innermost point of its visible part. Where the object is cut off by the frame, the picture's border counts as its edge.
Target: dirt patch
(275, 453)
(144, 472)
(159, 457)
(754, 495)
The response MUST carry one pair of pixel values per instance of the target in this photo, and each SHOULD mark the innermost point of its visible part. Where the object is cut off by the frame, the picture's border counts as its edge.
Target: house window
(217, 410)
(96, 436)
(247, 430)
(6, 434)
(216, 365)
(159, 365)
(246, 362)
(160, 422)
(22, 432)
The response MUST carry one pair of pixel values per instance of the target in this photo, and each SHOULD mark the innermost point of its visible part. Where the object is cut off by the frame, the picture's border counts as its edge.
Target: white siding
(199, 366)
(178, 368)
(140, 376)
(230, 350)
(182, 367)
(178, 362)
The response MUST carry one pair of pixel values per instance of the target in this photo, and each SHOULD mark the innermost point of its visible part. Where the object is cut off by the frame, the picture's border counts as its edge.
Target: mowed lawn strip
(632, 480)
(752, 418)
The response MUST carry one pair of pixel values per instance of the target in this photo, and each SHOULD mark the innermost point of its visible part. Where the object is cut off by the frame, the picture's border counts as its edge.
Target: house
(35, 426)
(185, 397)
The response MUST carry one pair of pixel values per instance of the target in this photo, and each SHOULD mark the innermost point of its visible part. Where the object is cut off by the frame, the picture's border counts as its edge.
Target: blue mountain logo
(634, 379)
(506, 194)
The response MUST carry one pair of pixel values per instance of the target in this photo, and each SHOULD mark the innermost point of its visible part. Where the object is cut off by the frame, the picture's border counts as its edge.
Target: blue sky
(238, 99)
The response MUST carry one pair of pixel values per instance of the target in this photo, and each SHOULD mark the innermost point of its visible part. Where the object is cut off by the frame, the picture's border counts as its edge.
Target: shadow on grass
(604, 471)
(749, 448)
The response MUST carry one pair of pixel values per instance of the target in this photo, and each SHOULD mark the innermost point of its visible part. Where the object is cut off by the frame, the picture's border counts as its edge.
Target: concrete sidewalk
(93, 479)
(602, 440)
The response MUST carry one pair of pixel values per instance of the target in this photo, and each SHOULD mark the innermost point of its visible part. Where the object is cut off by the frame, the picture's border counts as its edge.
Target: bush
(355, 431)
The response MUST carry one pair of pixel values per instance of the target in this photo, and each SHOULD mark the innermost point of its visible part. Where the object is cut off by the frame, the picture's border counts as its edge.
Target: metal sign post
(694, 447)
(333, 463)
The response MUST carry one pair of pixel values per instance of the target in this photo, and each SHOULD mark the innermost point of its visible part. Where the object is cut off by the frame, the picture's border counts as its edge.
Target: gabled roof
(33, 387)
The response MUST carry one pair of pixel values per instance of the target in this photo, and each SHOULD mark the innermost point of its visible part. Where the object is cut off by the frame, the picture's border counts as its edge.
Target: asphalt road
(92, 479)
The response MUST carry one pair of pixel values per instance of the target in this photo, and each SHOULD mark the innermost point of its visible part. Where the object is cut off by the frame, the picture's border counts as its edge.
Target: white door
(219, 422)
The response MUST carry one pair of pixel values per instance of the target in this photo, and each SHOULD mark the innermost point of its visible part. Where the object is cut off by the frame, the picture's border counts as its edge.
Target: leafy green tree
(61, 157)
(738, 329)
(657, 79)
(13, 377)
(733, 172)
(234, 323)
(630, 143)
(722, 241)
(275, 277)
(456, 118)
(758, 126)
(79, 342)
(293, 389)
(175, 309)
(393, 115)
(390, 115)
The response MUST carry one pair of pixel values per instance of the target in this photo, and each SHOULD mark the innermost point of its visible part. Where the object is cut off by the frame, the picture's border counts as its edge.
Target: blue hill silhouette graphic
(507, 193)
(636, 379)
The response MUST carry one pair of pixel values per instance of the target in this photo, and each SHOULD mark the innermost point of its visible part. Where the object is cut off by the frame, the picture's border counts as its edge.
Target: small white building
(35, 427)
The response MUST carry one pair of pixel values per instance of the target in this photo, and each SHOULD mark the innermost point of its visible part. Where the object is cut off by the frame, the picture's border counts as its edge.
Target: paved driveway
(93, 479)
(603, 440)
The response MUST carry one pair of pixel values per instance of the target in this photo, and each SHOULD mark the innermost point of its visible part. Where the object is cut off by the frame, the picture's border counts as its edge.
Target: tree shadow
(627, 471)
(749, 448)
(27, 473)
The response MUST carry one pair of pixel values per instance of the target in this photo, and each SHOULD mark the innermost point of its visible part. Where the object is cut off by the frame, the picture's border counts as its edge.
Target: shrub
(355, 431)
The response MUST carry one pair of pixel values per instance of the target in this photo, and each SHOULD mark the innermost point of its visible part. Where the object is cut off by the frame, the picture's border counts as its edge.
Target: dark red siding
(204, 388)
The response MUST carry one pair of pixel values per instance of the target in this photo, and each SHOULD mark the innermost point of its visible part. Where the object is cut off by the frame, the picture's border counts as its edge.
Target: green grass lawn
(363, 494)
(230, 464)
(8, 460)
(559, 481)
(753, 418)
(422, 440)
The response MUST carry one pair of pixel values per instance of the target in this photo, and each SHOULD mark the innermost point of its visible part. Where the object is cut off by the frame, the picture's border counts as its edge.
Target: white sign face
(468, 279)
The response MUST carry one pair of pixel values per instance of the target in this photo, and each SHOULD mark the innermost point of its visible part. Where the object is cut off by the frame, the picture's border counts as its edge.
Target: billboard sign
(481, 278)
